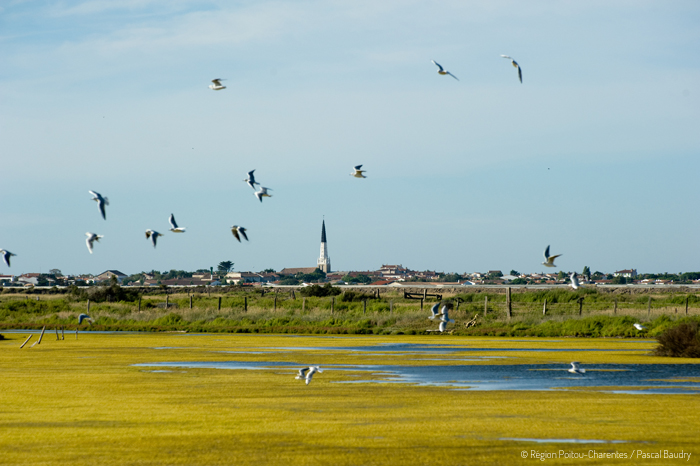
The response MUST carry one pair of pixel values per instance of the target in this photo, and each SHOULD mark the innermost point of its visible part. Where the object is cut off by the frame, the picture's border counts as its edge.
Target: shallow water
(611, 378)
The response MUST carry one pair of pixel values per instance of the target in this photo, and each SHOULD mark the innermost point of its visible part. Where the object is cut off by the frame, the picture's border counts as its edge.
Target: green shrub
(681, 341)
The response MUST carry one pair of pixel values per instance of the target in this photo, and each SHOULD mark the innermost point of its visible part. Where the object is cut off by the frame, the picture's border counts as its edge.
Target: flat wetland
(175, 398)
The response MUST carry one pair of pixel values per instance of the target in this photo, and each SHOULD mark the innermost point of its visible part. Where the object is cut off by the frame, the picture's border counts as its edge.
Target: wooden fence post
(377, 293)
(615, 308)
(364, 306)
(544, 308)
(275, 302)
(190, 301)
(580, 305)
(88, 307)
(219, 303)
(245, 304)
(167, 300)
(486, 304)
(139, 303)
(649, 307)
(421, 303)
(303, 304)
(425, 294)
(686, 305)
(391, 307)
(509, 306)
(332, 304)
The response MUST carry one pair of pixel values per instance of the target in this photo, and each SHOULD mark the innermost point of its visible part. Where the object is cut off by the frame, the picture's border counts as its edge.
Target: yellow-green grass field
(84, 402)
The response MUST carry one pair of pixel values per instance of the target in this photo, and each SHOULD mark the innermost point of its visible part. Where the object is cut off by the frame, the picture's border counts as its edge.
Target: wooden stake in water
(544, 308)
(25, 341)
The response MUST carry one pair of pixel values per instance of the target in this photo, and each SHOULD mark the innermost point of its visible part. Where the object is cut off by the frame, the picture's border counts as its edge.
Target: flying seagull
(262, 193)
(251, 179)
(238, 232)
(153, 235)
(358, 173)
(444, 315)
(639, 327)
(442, 71)
(91, 238)
(574, 281)
(302, 373)
(6, 256)
(310, 371)
(549, 261)
(101, 202)
(515, 64)
(173, 225)
(575, 369)
(217, 86)
(434, 311)
(83, 317)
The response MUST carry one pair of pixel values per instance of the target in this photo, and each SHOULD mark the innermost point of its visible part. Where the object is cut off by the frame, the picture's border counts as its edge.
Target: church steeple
(324, 262)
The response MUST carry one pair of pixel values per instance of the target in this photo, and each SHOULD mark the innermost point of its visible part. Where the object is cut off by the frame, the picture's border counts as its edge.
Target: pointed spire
(323, 232)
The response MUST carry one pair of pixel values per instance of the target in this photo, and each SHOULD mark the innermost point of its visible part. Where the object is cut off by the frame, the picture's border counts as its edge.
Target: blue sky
(596, 153)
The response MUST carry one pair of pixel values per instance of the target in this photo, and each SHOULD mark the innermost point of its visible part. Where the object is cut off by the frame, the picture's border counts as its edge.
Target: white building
(324, 262)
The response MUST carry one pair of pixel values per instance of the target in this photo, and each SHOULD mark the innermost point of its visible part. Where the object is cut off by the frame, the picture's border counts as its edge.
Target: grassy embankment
(82, 402)
(391, 314)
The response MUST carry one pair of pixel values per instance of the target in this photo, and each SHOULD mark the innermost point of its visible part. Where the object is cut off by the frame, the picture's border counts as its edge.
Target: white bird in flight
(639, 327)
(238, 232)
(574, 281)
(6, 256)
(444, 315)
(101, 202)
(217, 86)
(83, 317)
(153, 235)
(358, 173)
(251, 179)
(262, 193)
(575, 369)
(549, 261)
(91, 238)
(173, 225)
(307, 373)
(434, 311)
(442, 71)
(515, 64)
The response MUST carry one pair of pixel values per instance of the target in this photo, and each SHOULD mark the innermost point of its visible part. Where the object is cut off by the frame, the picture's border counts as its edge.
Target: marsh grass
(83, 402)
(355, 313)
